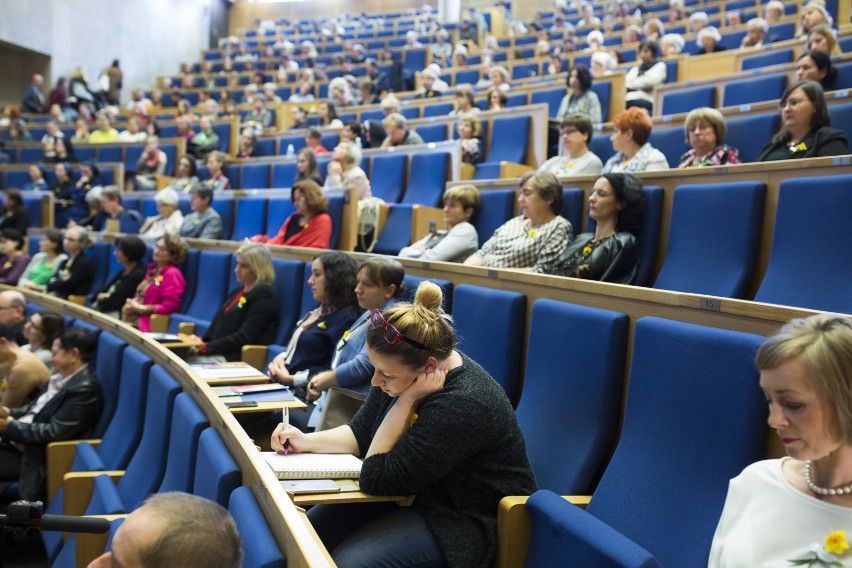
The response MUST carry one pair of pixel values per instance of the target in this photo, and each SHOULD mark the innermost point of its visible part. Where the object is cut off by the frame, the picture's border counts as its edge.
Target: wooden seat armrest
(255, 355)
(60, 457)
(514, 529)
(466, 171)
(90, 546)
(159, 323)
(79, 487)
(79, 300)
(186, 327)
(162, 183)
(513, 170)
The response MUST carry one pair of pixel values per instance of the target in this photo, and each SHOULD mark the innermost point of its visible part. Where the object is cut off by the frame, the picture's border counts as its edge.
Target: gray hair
(167, 196)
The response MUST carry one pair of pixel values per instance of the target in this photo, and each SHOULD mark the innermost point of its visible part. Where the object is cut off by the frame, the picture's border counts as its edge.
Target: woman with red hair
(633, 153)
(309, 226)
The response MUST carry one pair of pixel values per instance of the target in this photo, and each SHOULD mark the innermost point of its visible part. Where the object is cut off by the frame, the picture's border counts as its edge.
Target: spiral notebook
(313, 466)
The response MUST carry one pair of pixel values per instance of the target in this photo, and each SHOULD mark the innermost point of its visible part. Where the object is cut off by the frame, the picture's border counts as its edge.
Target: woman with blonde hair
(821, 38)
(705, 134)
(794, 510)
(249, 314)
(429, 405)
(460, 239)
(469, 129)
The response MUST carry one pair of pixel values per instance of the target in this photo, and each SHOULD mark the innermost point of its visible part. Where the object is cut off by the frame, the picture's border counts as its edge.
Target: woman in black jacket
(610, 254)
(74, 275)
(249, 315)
(129, 251)
(14, 214)
(805, 127)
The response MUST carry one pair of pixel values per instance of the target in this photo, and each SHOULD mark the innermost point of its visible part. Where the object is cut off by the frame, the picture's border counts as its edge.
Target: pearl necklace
(842, 490)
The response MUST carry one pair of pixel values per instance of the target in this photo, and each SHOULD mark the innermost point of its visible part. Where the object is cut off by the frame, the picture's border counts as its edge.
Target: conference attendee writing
(434, 425)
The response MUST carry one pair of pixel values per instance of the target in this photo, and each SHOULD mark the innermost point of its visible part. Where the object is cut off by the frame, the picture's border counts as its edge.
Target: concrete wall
(149, 37)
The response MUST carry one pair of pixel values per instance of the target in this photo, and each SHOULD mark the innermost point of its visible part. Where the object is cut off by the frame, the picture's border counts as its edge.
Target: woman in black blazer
(805, 130)
(249, 315)
(14, 214)
(110, 299)
(74, 275)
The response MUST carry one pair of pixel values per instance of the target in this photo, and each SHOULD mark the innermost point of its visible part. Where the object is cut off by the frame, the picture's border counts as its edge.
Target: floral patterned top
(470, 149)
(721, 155)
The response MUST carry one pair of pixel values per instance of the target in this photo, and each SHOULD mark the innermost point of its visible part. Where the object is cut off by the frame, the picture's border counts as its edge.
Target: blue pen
(285, 418)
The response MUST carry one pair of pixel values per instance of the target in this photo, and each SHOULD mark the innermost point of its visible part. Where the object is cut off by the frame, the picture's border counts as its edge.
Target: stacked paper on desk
(227, 371)
(313, 466)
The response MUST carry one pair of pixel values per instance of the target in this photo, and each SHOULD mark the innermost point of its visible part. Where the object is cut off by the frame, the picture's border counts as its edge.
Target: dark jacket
(71, 414)
(18, 220)
(614, 259)
(125, 287)
(317, 344)
(825, 141)
(73, 281)
(254, 322)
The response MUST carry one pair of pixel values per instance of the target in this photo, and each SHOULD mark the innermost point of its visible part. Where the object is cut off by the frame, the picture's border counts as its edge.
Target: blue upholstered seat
(260, 548)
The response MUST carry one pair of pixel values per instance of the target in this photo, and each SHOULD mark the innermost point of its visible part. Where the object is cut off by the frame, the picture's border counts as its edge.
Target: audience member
(816, 66)
(500, 78)
(803, 501)
(821, 38)
(773, 11)
(805, 127)
(161, 290)
(33, 100)
(497, 99)
(13, 313)
(460, 239)
(672, 44)
(37, 181)
(175, 529)
(610, 253)
(708, 41)
(533, 239)
(14, 214)
(310, 225)
(248, 148)
(129, 220)
(427, 81)
(576, 158)
(105, 132)
(633, 152)
(67, 408)
(151, 163)
(187, 176)
(469, 129)
(581, 99)
(205, 142)
(307, 168)
(756, 36)
(413, 349)
(14, 260)
(134, 132)
(204, 222)
(641, 79)
(168, 218)
(344, 171)
(75, 273)
(44, 264)
(813, 14)
(705, 133)
(327, 114)
(464, 102)
(603, 63)
(259, 118)
(129, 252)
(39, 331)
(216, 163)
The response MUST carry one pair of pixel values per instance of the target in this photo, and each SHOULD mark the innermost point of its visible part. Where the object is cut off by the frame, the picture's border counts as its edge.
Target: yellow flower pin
(412, 420)
(346, 335)
(587, 249)
(322, 325)
(835, 542)
(570, 165)
(7, 265)
(531, 232)
(242, 302)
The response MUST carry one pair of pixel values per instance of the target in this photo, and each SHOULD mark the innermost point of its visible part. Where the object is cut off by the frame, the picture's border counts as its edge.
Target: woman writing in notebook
(434, 425)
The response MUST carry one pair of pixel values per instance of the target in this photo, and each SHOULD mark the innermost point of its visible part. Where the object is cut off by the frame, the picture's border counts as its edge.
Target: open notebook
(313, 466)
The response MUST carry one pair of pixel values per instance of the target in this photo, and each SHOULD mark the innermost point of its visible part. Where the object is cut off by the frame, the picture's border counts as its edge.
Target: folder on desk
(313, 466)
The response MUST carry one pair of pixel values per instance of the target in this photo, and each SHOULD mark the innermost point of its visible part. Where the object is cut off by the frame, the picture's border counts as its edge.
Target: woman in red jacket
(309, 226)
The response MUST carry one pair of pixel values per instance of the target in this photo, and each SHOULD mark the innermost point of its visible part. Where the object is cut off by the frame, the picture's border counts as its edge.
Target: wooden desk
(349, 493)
(185, 342)
(262, 406)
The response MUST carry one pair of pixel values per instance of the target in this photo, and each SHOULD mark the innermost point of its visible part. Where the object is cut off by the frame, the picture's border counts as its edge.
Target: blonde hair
(824, 344)
(712, 117)
(424, 321)
(467, 195)
(259, 260)
(475, 125)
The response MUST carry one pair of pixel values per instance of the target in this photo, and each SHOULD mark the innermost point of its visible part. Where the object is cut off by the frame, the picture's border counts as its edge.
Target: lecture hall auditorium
(638, 402)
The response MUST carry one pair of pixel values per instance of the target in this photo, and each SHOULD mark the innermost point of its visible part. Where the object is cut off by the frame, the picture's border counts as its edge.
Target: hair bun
(429, 297)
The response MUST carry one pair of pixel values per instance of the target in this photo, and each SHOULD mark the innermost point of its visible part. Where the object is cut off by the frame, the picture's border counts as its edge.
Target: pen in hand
(285, 419)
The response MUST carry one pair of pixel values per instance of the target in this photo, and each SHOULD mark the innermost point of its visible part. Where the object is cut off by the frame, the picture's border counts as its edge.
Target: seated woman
(68, 408)
(216, 163)
(327, 114)
(14, 260)
(708, 41)
(344, 171)
(816, 66)
(249, 315)
(151, 163)
(75, 273)
(14, 214)
(38, 179)
(465, 103)
(129, 251)
(309, 226)
(306, 167)
(379, 285)
(533, 239)
(793, 510)
(576, 159)
(631, 129)
(430, 405)
(312, 344)
(127, 219)
(497, 99)
(161, 290)
(582, 99)
(43, 265)
(460, 240)
(500, 79)
(205, 142)
(69, 199)
(805, 130)
(40, 331)
(821, 38)
(470, 130)
(610, 254)
(187, 176)
(705, 132)
(248, 141)
(168, 218)
(641, 79)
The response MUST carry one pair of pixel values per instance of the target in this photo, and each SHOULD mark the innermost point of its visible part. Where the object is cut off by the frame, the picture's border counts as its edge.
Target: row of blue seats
(163, 442)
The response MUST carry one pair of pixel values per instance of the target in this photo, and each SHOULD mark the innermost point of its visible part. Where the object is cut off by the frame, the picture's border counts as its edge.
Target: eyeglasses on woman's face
(391, 334)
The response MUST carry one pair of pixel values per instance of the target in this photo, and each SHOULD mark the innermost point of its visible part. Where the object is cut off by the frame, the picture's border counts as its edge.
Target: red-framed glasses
(391, 334)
